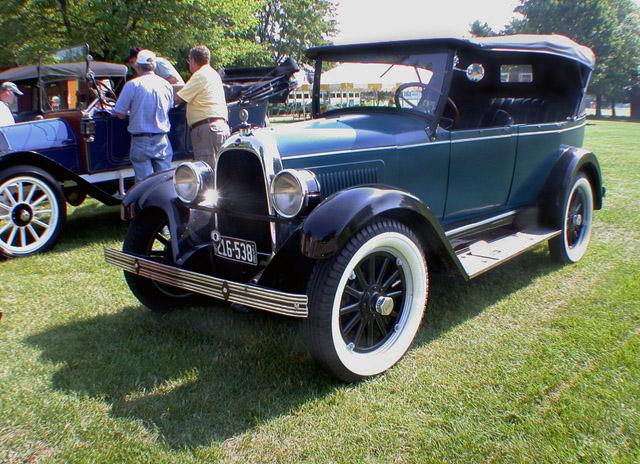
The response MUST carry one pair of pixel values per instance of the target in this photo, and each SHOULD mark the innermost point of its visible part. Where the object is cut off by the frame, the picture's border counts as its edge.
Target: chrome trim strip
(274, 301)
(468, 227)
(526, 134)
(401, 147)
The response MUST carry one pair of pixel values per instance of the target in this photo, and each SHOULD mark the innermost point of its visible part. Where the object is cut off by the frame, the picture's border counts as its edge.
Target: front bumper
(254, 296)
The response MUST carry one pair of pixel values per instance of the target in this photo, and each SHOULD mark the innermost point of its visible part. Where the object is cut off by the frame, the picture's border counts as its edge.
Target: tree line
(238, 32)
(610, 27)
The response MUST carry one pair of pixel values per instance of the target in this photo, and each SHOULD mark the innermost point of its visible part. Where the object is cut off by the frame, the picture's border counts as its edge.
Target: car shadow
(208, 374)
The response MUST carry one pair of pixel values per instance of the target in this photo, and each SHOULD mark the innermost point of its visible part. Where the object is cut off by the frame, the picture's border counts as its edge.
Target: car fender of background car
(449, 155)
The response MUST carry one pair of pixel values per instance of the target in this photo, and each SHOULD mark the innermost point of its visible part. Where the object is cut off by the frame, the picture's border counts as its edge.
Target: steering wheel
(422, 105)
(450, 121)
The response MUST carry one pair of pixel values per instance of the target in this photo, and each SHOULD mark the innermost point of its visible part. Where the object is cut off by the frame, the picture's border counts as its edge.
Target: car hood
(349, 132)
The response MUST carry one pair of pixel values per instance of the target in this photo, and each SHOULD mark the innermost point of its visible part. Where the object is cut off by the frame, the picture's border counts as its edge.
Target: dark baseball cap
(133, 52)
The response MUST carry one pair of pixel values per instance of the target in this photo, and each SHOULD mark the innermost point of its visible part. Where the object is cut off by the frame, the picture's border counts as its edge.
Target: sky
(371, 20)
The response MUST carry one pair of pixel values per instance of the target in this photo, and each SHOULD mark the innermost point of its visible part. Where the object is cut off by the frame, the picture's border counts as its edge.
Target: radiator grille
(241, 187)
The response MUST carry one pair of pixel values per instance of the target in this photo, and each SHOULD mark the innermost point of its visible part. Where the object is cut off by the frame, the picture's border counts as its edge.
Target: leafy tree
(478, 29)
(287, 27)
(169, 27)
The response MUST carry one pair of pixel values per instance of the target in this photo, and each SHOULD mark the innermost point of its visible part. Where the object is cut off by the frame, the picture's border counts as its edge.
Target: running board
(482, 256)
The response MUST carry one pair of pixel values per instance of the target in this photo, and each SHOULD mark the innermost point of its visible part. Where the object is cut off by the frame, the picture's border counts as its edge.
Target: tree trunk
(598, 106)
(613, 108)
(635, 103)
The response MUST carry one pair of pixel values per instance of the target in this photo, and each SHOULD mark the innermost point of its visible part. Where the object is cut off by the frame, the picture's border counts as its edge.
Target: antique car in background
(340, 220)
(66, 145)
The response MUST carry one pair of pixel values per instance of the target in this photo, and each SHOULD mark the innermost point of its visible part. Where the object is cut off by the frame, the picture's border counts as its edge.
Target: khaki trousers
(207, 139)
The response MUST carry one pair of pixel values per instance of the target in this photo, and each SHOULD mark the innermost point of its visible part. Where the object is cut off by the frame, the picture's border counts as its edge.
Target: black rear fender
(571, 162)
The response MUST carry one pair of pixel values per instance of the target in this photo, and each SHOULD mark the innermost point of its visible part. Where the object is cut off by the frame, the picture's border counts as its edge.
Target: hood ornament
(245, 127)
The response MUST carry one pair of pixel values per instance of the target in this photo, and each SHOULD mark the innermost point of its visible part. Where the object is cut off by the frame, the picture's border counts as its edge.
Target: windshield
(396, 81)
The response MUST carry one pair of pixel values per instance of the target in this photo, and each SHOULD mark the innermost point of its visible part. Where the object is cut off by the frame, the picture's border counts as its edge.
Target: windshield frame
(431, 118)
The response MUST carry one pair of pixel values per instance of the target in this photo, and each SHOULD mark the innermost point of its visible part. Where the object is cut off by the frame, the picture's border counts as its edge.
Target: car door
(480, 172)
(110, 149)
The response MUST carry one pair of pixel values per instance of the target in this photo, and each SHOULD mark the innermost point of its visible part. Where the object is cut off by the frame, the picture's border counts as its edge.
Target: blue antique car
(422, 155)
(66, 145)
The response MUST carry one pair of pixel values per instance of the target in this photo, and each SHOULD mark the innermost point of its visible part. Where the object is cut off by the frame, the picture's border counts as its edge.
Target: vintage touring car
(67, 145)
(456, 155)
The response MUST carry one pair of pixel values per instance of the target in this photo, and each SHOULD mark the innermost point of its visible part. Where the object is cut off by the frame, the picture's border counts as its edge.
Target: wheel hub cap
(22, 215)
(384, 305)
(577, 220)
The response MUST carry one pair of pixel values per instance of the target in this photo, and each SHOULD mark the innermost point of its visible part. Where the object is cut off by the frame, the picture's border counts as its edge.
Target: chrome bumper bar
(274, 301)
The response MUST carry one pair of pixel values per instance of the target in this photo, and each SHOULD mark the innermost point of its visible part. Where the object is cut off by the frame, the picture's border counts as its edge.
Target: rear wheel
(32, 211)
(367, 302)
(576, 219)
(148, 236)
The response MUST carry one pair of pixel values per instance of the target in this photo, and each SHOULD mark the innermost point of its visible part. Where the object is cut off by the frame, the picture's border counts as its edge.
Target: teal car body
(422, 155)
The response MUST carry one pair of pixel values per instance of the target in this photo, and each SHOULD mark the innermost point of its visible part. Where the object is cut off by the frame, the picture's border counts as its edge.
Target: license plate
(235, 249)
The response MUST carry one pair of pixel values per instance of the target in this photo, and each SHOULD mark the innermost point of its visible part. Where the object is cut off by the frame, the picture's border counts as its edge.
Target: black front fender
(332, 223)
(189, 227)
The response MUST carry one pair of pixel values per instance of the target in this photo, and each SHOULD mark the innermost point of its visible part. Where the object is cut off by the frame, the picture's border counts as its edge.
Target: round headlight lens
(288, 194)
(187, 183)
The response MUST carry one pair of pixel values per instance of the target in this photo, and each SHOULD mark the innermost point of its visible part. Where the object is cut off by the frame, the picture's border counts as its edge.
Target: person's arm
(189, 91)
(166, 70)
(123, 105)
(172, 80)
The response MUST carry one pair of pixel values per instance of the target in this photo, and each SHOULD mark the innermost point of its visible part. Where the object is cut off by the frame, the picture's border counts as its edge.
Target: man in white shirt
(164, 68)
(147, 100)
(8, 92)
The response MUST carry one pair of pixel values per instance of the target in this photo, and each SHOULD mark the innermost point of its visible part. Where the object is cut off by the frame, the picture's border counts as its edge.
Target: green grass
(533, 362)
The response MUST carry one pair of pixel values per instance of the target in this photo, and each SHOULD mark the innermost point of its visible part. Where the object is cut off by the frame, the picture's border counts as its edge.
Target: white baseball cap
(10, 86)
(146, 57)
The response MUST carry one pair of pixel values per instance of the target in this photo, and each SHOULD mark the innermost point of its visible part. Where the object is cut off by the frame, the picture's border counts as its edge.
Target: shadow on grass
(90, 223)
(207, 374)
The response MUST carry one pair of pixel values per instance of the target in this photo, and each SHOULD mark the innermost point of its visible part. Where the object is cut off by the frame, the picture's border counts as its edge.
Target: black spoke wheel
(367, 309)
(366, 303)
(148, 236)
(575, 219)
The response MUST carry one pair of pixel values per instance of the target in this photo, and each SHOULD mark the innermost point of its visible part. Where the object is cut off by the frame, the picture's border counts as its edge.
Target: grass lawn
(532, 362)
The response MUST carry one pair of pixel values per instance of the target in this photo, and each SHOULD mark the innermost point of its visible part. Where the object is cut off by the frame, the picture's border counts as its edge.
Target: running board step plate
(481, 256)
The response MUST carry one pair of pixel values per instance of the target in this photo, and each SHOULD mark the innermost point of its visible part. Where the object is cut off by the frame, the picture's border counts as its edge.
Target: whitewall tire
(577, 221)
(368, 301)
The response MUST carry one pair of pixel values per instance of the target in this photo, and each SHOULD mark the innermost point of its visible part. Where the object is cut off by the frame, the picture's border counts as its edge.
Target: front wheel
(32, 211)
(367, 302)
(148, 236)
(576, 219)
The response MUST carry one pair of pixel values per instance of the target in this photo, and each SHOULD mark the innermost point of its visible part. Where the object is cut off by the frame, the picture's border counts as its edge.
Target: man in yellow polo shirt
(207, 114)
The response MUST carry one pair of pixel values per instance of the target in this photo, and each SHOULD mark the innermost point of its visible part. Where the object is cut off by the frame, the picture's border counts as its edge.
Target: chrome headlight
(291, 190)
(192, 180)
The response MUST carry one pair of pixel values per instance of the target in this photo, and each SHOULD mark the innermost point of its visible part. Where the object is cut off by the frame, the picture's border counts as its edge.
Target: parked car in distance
(67, 145)
(341, 220)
